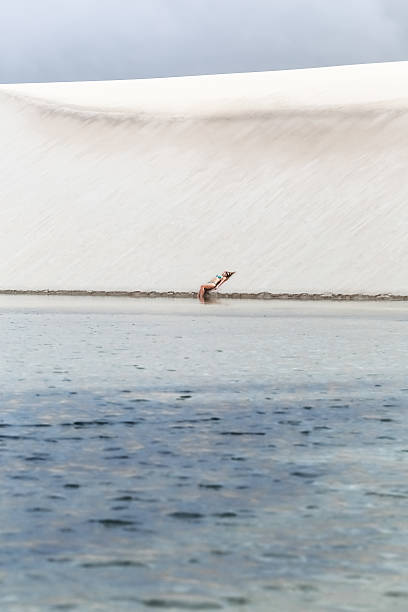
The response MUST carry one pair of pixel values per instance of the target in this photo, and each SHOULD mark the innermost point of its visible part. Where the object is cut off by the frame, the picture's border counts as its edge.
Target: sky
(78, 40)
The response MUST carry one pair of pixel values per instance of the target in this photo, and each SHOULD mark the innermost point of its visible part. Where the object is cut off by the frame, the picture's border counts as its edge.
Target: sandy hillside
(296, 179)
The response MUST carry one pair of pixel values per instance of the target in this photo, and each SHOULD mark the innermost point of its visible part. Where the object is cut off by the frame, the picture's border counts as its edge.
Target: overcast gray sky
(75, 40)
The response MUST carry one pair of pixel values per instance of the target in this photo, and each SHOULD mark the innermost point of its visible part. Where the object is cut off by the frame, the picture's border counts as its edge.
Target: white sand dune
(296, 179)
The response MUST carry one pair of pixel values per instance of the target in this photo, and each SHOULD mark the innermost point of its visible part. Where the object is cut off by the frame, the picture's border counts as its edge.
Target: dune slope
(296, 179)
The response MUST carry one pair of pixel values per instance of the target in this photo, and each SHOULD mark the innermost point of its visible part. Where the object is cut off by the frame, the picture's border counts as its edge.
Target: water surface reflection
(168, 455)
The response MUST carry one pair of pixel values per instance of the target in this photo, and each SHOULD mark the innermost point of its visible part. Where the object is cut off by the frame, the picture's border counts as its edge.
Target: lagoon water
(237, 455)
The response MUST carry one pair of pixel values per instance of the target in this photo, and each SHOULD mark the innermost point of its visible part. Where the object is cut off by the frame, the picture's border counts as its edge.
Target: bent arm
(223, 280)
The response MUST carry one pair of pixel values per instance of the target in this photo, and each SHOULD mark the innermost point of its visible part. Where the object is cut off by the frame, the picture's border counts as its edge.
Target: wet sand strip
(264, 295)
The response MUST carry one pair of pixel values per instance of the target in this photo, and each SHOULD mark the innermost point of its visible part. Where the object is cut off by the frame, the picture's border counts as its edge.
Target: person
(214, 283)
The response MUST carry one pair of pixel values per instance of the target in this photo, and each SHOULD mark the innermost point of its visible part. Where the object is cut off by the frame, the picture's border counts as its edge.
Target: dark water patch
(273, 587)
(236, 600)
(397, 594)
(305, 474)
(26, 425)
(97, 423)
(225, 514)
(198, 420)
(306, 588)
(220, 553)
(216, 487)
(242, 433)
(113, 457)
(125, 498)
(131, 423)
(72, 485)
(26, 476)
(38, 509)
(385, 495)
(38, 457)
(290, 422)
(369, 417)
(180, 604)
(15, 437)
(186, 516)
(112, 523)
(113, 563)
(78, 424)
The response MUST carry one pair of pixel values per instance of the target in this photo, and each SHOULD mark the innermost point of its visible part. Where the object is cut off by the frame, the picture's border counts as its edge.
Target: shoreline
(264, 295)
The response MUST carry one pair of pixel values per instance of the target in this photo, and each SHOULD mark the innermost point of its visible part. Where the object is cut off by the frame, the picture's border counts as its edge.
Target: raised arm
(225, 276)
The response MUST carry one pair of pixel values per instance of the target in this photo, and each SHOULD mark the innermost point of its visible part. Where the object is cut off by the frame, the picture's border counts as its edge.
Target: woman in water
(214, 283)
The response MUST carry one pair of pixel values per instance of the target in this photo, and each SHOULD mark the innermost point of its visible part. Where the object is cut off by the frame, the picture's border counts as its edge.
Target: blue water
(166, 454)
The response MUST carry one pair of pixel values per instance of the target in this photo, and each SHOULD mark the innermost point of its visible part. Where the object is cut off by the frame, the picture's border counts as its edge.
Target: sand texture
(296, 179)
